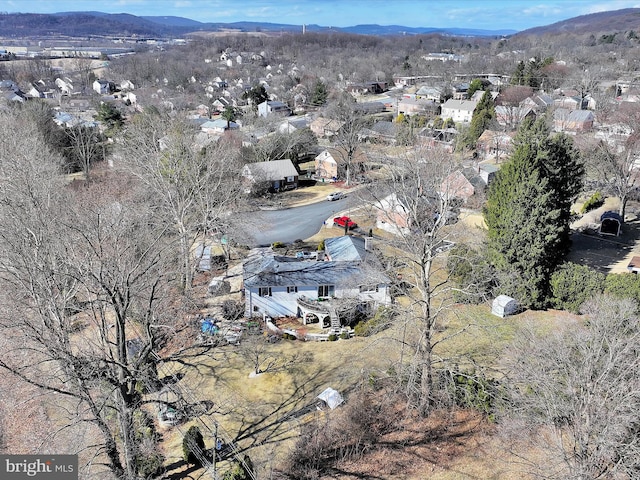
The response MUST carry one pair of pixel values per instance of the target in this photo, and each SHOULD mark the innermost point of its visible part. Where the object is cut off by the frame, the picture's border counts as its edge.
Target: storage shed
(503, 306)
(610, 223)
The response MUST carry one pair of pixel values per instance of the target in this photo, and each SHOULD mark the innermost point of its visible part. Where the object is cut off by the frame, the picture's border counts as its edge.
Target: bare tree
(347, 138)
(85, 147)
(574, 396)
(417, 207)
(89, 291)
(614, 160)
(194, 187)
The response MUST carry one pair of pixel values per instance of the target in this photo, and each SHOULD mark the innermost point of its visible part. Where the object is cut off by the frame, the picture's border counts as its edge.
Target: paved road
(268, 226)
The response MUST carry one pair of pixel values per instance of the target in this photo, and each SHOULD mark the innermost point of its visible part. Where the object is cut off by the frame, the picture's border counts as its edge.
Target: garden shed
(503, 306)
(610, 223)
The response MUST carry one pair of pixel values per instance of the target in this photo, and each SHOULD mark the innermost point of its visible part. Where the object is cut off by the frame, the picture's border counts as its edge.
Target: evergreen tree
(528, 211)
(483, 117)
(517, 77)
(320, 94)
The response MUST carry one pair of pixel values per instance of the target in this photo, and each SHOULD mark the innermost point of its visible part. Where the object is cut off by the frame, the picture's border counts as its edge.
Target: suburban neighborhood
(316, 254)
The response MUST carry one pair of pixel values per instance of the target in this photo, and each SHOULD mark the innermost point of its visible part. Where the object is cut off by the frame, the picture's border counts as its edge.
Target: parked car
(344, 221)
(306, 255)
(335, 196)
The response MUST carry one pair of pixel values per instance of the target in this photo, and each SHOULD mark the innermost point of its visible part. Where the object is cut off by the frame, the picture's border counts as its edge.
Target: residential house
(456, 186)
(369, 108)
(273, 107)
(460, 111)
(330, 163)
(494, 144)
(382, 131)
(511, 116)
(438, 138)
(460, 91)
(279, 286)
(293, 124)
(572, 120)
(357, 89)
(39, 90)
(568, 103)
(487, 172)
(325, 127)
(409, 106)
(218, 126)
(103, 87)
(65, 85)
(127, 85)
(275, 175)
(435, 94)
(392, 215)
(443, 57)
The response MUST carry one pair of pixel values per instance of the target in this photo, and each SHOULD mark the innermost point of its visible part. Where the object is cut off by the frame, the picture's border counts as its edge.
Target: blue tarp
(208, 326)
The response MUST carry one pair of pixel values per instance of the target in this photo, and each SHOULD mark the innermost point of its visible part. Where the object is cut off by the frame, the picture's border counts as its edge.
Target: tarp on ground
(331, 397)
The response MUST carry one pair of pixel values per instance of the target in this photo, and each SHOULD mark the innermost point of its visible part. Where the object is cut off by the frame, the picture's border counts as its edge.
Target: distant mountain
(595, 23)
(92, 23)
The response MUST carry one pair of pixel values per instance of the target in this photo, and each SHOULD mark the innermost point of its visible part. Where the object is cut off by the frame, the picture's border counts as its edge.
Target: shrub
(623, 285)
(149, 466)
(345, 336)
(278, 245)
(471, 273)
(193, 446)
(596, 200)
(332, 337)
(232, 310)
(572, 284)
(321, 246)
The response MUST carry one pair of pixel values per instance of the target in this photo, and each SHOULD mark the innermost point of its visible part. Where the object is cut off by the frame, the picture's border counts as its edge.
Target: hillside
(84, 24)
(596, 23)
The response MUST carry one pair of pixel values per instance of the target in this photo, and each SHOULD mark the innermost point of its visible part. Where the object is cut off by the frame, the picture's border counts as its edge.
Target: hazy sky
(483, 14)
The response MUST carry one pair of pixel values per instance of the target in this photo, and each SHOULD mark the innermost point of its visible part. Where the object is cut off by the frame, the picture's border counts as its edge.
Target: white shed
(504, 306)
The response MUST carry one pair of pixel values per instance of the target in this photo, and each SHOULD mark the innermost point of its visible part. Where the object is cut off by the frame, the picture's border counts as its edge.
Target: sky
(481, 14)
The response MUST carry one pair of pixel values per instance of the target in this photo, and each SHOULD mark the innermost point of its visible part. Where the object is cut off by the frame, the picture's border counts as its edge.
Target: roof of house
(345, 249)
(268, 269)
(220, 123)
(580, 116)
(385, 128)
(465, 105)
(273, 170)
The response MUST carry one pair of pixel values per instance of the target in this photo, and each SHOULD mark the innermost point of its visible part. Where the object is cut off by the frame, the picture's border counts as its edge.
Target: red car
(344, 221)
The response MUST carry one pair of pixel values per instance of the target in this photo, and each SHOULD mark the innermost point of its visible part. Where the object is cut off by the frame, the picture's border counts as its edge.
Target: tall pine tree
(528, 212)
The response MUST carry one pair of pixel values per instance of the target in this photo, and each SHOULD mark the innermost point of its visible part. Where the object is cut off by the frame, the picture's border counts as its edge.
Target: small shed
(331, 397)
(610, 223)
(503, 306)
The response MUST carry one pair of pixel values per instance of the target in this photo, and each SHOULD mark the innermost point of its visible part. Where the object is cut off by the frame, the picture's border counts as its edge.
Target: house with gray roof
(277, 174)
(279, 286)
(460, 111)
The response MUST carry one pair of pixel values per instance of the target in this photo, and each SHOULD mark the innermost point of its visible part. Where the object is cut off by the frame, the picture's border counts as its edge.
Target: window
(292, 289)
(368, 288)
(291, 179)
(264, 291)
(256, 308)
(326, 291)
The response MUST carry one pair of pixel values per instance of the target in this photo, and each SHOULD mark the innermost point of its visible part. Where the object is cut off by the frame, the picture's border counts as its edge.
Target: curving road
(267, 226)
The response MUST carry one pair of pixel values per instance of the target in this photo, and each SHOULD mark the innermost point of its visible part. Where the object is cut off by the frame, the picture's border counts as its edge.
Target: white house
(280, 286)
(273, 107)
(460, 111)
(103, 87)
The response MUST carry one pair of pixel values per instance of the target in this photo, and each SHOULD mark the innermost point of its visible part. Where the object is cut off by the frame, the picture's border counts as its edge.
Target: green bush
(149, 466)
(321, 246)
(332, 337)
(471, 274)
(596, 200)
(278, 245)
(345, 336)
(572, 284)
(623, 285)
(193, 446)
